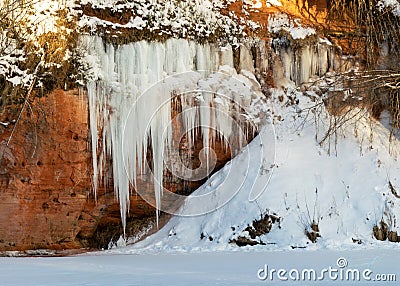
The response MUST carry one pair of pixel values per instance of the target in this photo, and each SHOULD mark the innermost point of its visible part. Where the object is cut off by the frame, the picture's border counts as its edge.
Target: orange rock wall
(45, 180)
(44, 173)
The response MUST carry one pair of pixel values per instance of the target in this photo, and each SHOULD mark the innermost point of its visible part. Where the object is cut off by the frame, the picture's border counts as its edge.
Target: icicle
(323, 59)
(288, 60)
(93, 131)
(225, 56)
(246, 59)
(134, 112)
(301, 64)
(305, 65)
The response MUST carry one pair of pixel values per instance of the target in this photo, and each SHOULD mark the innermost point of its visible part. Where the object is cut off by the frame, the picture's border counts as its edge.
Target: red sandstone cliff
(45, 181)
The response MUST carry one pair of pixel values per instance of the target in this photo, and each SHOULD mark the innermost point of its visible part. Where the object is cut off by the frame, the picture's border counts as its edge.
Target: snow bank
(346, 192)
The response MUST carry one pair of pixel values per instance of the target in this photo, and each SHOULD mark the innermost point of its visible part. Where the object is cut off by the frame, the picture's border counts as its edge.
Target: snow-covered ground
(221, 268)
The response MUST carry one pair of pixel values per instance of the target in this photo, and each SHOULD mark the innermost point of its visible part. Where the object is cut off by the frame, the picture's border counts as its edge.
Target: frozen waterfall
(135, 89)
(132, 98)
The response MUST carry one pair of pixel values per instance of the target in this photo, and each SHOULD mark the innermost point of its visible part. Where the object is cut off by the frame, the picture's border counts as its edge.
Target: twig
(393, 190)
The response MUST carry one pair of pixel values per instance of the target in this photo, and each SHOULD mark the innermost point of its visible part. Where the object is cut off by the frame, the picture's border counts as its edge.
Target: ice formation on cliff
(134, 88)
(131, 101)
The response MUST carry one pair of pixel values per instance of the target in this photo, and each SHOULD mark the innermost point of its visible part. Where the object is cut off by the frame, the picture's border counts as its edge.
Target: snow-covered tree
(36, 40)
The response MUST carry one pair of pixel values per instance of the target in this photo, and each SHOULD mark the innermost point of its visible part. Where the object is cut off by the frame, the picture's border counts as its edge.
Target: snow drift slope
(346, 193)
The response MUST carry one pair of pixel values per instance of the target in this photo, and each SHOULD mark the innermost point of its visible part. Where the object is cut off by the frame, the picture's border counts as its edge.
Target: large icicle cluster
(133, 89)
(303, 55)
(305, 62)
(132, 97)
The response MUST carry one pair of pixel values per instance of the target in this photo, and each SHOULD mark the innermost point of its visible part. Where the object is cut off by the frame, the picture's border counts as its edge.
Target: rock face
(45, 180)
(44, 174)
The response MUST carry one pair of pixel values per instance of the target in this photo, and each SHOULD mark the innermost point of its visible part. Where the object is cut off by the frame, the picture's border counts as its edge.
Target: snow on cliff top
(394, 5)
(181, 19)
(281, 22)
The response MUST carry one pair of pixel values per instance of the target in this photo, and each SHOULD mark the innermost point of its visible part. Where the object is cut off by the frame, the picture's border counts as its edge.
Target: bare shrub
(309, 222)
(258, 228)
(370, 32)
